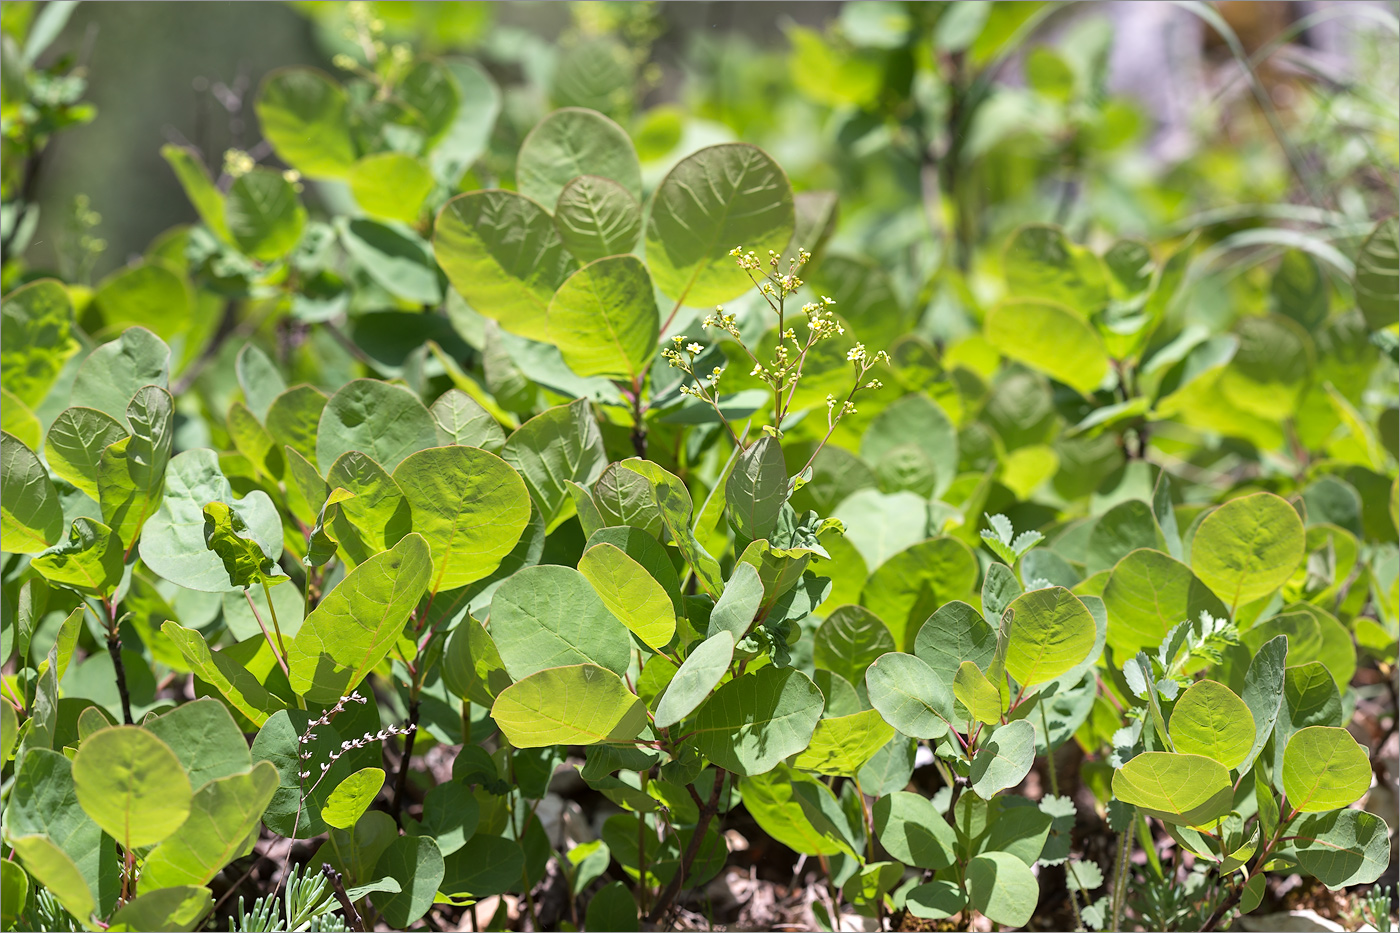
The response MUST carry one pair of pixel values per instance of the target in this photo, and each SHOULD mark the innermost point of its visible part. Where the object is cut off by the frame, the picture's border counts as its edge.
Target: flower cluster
(350, 744)
(387, 62)
(772, 284)
(237, 163)
(309, 736)
(783, 370)
(685, 362)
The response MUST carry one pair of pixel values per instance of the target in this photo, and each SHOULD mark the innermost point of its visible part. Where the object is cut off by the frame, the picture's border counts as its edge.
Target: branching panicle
(783, 371)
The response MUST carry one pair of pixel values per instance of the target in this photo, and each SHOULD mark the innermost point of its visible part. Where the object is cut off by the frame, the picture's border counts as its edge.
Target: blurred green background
(1133, 114)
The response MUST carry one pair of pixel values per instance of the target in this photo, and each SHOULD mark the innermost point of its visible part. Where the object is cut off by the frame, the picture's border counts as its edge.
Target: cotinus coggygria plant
(457, 525)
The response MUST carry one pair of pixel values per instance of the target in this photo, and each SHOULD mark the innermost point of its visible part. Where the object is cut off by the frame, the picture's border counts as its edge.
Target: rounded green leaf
(612, 907)
(385, 422)
(1051, 631)
(167, 910)
(1324, 769)
(466, 139)
(757, 720)
(390, 185)
(913, 831)
(502, 253)
(549, 616)
(973, 690)
(597, 217)
(559, 444)
(366, 508)
(416, 863)
(236, 683)
(393, 256)
(757, 489)
(172, 541)
(31, 516)
(1042, 263)
(1004, 759)
(935, 900)
(224, 814)
(872, 883)
(598, 72)
(604, 320)
(1248, 548)
(132, 785)
(264, 214)
(430, 95)
(1271, 368)
(954, 634)
(1003, 888)
(252, 440)
(145, 293)
(469, 504)
(773, 800)
(1051, 338)
(462, 420)
(303, 115)
(14, 892)
(205, 737)
(912, 584)
(294, 416)
(130, 472)
(261, 385)
(695, 678)
(912, 425)
(630, 593)
(1126, 527)
(738, 603)
(1210, 720)
(1184, 789)
(91, 560)
(1148, 594)
(450, 815)
(1377, 280)
(42, 800)
(909, 695)
(849, 640)
(55, 870)
(1341, 848)
(472, 667)
(490, 865)
(573, 142)
(352, 797)
(19, 419)
(114, 372)
(726, 196)
(9, 731)
(352, 629)
(576, 705)
(843, 744)
(36, 339)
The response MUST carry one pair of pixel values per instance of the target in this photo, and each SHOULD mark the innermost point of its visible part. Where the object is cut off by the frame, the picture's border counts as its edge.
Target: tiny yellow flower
(237, 162)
